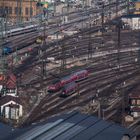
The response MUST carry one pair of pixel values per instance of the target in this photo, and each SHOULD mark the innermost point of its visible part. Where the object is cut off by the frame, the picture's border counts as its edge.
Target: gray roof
(4, 130)
(75, 126)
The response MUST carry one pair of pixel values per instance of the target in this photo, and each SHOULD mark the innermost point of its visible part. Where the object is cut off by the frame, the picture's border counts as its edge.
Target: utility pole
(63, 58)
(102, 23)
(83, 6)
(3, 66)
(102, 15)
(31, 10)
(123, 102)
(128, 7)
(45, 12)
(109, 9)
(116, 8)
(44, 30)
(89, 45)
(67, 4)
(19, 11)
(54, 8)
(118, 45)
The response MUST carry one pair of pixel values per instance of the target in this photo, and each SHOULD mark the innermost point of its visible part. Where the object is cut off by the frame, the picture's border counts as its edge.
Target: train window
(138, 102)
(133, 101)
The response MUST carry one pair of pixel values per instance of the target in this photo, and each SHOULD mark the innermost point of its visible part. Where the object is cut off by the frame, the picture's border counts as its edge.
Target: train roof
(79, 72)
(69, 85)
(55, 81)
(66, 77)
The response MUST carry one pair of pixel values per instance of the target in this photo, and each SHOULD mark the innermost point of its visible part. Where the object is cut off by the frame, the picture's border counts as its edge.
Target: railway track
(56, 101)
(52, 102)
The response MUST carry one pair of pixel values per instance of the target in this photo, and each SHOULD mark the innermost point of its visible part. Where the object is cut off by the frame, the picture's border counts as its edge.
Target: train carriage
(75, 77)
(69, 89)
(66, 80)
(80, 75)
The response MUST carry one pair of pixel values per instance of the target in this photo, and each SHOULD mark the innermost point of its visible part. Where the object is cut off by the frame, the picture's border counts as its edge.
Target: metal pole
(66, 1)
(109, 9)
(89, 46)
(102, 15)
(44, 43)
(116, 8)
(54, 8)
(102, 24)
(31, 10)
(63, 57)
(17, 12)
(128, 8)
(82, 16)
(99, 110)
(20, 11)
(123, 102)
(2, 35)
(119, 33)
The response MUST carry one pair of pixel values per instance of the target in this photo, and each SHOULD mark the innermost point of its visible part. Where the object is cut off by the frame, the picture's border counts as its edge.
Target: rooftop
(74, 126)
(7, 98)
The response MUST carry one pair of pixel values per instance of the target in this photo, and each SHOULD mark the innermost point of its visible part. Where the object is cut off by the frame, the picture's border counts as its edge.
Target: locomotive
(63, 83)
(55, 86)
(7, 48)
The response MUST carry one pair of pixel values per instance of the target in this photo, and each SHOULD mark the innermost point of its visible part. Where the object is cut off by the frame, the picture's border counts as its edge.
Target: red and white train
(67, 81)
(69, 89)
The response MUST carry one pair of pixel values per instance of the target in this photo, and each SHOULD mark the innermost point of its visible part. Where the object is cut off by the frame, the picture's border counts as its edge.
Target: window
(26, 11)
(16, 10)
(1, 9)
(20, 9)
(10, 10)
(6, 10)
(11, 91)
(31, 11)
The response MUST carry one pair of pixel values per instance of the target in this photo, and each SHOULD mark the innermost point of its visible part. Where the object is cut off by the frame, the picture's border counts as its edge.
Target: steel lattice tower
(2, 37)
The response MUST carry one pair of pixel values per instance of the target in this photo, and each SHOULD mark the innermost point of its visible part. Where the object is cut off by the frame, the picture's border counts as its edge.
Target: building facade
(137, 7)
(18, 10)
(135, 105)
(10, 108)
